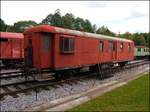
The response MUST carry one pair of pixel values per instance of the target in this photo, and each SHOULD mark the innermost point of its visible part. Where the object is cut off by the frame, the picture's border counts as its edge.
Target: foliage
(79, 22)
(3, 25)
(147, 38)
(21, 26)
(53, 19)
(68, 21)
(47, 20)
(127, 35)
(105, 31)
(88, 26)
(139, 39)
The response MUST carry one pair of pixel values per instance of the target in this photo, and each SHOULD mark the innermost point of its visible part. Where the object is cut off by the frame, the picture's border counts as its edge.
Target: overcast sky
(118, 16)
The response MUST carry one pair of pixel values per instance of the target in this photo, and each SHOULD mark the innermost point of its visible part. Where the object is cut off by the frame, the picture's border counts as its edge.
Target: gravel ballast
(33, 99)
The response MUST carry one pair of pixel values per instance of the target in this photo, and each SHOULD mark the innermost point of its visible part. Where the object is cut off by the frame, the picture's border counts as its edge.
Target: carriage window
(66, 45)
(3, 40)
(111, 46)
(139, 49)
(46, 41)
(129, 47)
(71, 44)
(121, 47)
(101, 46)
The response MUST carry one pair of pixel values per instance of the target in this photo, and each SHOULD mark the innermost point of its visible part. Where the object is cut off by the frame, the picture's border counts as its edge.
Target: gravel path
(20, 103)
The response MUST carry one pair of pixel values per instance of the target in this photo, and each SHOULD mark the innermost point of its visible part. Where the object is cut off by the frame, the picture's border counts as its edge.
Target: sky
(118, 16)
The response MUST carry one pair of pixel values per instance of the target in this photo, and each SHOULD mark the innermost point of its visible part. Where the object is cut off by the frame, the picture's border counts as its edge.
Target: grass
(131, 97)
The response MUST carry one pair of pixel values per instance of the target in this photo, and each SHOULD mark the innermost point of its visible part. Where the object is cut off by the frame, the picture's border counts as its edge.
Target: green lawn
(132, 97)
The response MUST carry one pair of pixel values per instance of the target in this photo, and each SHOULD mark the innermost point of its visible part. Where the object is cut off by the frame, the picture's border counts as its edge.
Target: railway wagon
(11, 48)
(141, 52)
(49, 47)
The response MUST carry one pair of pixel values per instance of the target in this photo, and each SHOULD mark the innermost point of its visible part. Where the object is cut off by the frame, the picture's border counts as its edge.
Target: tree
(105, 31)
(87, 26)
(53, 19)
(139, 39)
(47, 20)
(21, 26)
(56, 18)
(147, 38)
(68, 21)
(78, 24)
(127, 35)
(3, 25)
(84, 25)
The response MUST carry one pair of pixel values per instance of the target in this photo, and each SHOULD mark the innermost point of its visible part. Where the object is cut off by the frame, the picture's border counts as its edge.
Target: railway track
(26, 86)
(11, 74)
(35, 85)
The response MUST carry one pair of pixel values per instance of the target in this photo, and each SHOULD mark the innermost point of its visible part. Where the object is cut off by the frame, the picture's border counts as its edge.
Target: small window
(46, 41)
(139, 49)
(121, 47)
(3, 40)
(101, 46)
(66, 45)
(129, 47)
(111, 46)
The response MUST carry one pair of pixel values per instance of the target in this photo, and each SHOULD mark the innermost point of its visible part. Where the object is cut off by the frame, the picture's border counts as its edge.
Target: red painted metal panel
(36, 50)
(12, 47)
(5, 50)
(42, 58)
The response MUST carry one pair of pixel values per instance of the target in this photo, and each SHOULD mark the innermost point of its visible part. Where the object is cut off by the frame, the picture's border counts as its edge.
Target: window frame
(101, 48)
(129, 47)
(111, 49)
(70, 44)
(121, 49)
(46, 43)
(138, 49)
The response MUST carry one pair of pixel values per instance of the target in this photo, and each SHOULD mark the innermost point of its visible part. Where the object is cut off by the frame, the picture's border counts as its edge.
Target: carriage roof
(53, 29)
(11, 35)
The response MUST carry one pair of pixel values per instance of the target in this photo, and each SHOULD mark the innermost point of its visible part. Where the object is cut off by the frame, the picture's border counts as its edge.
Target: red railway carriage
(11, 47)
(58, 48)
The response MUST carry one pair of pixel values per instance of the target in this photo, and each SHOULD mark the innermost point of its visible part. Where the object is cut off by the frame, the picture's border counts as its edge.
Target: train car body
(58, 48)
(141, 52)
(11, 47)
